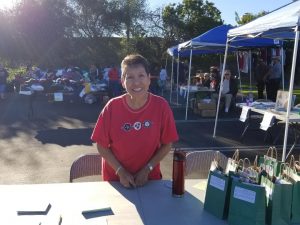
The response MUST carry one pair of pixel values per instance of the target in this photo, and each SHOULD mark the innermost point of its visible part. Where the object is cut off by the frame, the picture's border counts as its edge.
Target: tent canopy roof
(280, 24)
(214, 41)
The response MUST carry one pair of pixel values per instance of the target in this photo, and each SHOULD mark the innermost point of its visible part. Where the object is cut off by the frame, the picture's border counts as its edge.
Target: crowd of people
(209, 80)
(212, 80)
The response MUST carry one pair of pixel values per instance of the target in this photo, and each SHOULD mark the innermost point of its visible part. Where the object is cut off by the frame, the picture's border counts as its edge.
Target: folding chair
(86, 165)
(200, 162)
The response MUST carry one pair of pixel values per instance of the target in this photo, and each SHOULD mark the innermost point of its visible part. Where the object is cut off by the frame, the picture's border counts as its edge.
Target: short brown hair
(227, 72)
(134, 60)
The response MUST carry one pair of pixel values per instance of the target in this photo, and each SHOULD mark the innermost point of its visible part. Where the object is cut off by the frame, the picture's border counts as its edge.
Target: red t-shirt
(134, 135)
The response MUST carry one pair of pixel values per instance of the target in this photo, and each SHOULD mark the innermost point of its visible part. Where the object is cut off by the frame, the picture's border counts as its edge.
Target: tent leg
(221, 86)
(287, 122)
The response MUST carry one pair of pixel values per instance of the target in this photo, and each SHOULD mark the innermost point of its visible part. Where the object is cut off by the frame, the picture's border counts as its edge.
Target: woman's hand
(141, 177)
(126, 179)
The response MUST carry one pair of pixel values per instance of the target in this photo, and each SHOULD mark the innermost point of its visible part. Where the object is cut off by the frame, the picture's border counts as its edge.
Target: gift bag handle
(241, 162)
(249, 168)
(244, 163)
(297, 166)
(216, 160)
(236, 155)
(283, 169)
(255, 162)
(271, 151)
(292, 162)
(217, 157)
(287, 172)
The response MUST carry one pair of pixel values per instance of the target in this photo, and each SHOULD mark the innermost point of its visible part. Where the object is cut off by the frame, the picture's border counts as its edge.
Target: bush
(13, 72)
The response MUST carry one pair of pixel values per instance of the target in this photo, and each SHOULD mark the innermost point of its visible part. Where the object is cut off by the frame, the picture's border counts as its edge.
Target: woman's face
(136, 81)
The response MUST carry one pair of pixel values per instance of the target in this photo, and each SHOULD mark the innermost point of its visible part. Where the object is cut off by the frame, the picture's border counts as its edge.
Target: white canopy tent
(282, 23)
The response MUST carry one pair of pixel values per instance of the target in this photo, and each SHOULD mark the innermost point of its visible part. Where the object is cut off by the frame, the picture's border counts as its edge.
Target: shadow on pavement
(65, 137)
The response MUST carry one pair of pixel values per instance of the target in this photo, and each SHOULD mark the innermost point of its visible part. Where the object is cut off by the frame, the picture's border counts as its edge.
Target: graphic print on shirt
(137, 125)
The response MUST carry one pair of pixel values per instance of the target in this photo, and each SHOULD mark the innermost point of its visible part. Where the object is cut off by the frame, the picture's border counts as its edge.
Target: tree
(41, 29)
(189, 19)
(96, 18)
(247, 17)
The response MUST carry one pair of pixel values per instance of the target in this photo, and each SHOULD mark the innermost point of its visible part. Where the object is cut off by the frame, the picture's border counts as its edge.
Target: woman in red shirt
(134, 131)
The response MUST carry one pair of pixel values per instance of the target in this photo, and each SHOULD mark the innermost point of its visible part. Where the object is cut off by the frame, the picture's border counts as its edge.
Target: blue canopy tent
(214, 41)
(282, 23)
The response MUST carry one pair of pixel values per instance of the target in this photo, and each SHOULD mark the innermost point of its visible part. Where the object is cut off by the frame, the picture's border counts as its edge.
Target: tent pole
(166, 64)
(221, 87)
(188, 85)
(282, 67)
(239, 72)
(172, 75)
(250, 69)
(177, 78)
(284, 156)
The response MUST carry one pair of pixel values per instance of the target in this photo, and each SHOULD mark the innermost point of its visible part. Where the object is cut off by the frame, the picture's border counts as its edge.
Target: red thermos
(178, 173)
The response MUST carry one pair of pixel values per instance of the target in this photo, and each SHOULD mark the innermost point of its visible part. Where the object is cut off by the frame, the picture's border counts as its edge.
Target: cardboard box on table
(207, 108)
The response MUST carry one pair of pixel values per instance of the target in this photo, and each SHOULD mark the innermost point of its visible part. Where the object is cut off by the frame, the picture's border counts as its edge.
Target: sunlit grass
(246, 89)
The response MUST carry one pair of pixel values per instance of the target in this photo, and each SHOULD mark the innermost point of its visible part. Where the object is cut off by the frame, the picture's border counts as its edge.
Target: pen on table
(60, 220)
(97, 210)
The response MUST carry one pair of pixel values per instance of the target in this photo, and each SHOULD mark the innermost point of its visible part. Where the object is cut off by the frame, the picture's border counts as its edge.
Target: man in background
(229, 90)
(162, 79)
(3, 81)
(261, 70)
(114, 82)
(273, 78)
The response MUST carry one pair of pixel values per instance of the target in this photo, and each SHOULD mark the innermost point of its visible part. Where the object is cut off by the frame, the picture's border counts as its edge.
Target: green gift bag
(247, 204)
(295, 217)
(279, 201)
(217, 194)
(251, 173)
(292, 175)
(270, 163)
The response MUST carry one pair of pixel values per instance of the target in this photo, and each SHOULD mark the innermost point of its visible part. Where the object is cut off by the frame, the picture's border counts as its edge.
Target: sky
(229, 7)
(7, 4)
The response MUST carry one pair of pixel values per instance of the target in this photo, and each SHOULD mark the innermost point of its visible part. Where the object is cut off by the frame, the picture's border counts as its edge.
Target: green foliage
(247, 17)
(189, 19)
(13, 72)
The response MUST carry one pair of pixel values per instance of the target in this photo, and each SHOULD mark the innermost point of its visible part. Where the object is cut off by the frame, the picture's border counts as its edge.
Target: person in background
(154, 88)
(93, 73)
(273, 78)
(3, 81)
(206, 82)
(114, 81)
(214, 77)
(162, 79)
(261, 70)
(229, 90)
(134, 131)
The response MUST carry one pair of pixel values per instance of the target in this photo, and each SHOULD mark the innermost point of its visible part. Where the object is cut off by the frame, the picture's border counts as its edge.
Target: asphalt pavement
(39, 140)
